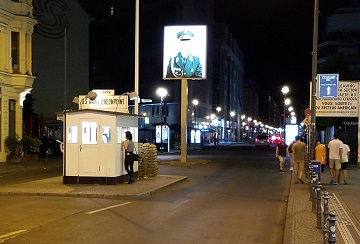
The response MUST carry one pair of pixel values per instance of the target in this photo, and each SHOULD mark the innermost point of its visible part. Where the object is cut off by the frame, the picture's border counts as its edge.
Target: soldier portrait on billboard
(184, 64)
(183, 59)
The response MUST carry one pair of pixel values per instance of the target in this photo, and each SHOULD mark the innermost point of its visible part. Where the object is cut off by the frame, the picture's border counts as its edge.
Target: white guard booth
(93, 146)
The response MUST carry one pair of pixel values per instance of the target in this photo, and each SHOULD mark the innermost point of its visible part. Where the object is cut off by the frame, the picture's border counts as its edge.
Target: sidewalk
(55, 187)
(301, 221)
(300, 227)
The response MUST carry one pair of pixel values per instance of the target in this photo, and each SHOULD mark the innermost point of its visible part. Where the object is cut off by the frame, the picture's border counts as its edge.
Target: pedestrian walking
(298, 159)
(320, 155)
(290, 154)
(280, 153)
(334, 158)
(344, 151)
(129, 156)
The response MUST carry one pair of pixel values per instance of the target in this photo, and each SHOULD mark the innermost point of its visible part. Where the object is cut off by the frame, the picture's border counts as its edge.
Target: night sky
(276, 38)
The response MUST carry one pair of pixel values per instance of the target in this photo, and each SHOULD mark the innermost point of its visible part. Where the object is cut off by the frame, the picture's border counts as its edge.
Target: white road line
(348, 217)
(345, 233)
(103, 209)
(11, 235)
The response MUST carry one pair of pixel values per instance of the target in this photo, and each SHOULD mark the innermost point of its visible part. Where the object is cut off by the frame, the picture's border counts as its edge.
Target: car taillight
(256, 140)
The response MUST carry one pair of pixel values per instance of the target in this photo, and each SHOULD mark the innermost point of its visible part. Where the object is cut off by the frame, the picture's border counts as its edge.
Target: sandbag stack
(148, 163)
(152, 161)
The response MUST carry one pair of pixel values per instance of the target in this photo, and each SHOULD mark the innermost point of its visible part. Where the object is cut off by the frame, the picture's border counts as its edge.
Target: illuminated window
(72, 136)
(89, 135)
(106, 135)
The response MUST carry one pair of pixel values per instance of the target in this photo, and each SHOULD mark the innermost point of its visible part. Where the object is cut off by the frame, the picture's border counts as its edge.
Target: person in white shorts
(334, 158)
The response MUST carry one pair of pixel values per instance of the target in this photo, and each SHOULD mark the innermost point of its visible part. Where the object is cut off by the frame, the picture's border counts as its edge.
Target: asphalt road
(237, 197)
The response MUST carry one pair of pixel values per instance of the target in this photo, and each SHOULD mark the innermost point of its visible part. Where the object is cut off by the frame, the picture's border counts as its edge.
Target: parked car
(262, 140)
(50, 145)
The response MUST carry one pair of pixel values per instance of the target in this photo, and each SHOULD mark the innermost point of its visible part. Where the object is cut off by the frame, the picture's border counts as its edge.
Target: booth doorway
(89, 163)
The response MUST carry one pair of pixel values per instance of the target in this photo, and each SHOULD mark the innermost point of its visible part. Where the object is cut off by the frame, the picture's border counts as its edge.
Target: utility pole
(314, 82)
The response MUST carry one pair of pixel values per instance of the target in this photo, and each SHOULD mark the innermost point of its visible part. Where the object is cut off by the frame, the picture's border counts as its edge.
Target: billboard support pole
(184, 100)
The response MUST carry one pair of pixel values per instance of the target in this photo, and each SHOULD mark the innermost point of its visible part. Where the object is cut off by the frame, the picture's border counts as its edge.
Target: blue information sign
(328, 85)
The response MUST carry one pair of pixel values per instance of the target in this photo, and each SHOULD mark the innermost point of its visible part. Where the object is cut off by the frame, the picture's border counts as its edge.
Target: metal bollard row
(318, 204)
(313, 193)
(329, 229)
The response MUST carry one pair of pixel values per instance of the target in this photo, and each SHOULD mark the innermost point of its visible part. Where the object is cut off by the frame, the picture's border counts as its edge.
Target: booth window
(89, 135)
(106, 135)
(72, 134)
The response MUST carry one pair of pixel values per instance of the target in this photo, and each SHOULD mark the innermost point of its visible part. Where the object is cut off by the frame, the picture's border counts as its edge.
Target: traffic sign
(307, 112)
(328, 85)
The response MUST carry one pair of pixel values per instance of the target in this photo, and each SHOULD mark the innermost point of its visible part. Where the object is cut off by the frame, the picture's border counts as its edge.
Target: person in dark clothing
(281, 152)
(129, 156)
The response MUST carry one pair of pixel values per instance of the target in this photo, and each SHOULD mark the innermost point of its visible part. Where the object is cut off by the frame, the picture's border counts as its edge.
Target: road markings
(11, 235)
(103, 209)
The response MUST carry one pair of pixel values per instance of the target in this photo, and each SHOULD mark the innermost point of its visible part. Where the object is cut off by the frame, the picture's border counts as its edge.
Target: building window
(12, 118)
(15, 50)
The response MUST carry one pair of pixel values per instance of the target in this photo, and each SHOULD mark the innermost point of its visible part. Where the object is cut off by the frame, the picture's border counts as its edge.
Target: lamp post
(218, 109)
(232, 114)
(162, 92)
(195, 102)
(242, 126)
(285, 90)
(249, 119)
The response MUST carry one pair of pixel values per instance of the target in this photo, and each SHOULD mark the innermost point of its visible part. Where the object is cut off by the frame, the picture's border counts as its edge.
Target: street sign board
(345, 105)
(328, 85)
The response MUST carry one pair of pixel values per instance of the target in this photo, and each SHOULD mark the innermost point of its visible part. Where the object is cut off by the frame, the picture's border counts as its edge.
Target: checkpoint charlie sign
(345, 105)
(105, 100)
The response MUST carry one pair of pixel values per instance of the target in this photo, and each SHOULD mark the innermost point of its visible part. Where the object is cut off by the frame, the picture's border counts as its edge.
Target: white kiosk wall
(93, 153)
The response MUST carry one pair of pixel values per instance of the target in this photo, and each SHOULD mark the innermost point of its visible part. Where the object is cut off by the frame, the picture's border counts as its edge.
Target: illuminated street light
(195, 102)
(232, 114)
(162, 92)
(285, 90)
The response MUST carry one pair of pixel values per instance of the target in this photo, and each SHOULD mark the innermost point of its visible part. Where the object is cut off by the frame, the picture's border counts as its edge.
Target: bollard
(318, 204)
(47, 154)
(311, 186)
(310, 172)
(332, 228)
(314, 194)
(326, 216)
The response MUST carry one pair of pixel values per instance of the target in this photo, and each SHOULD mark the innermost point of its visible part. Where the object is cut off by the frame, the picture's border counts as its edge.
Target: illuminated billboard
(185, 52)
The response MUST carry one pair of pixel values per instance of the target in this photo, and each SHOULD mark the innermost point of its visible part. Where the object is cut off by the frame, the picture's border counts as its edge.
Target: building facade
(16, 77)
(339, 45)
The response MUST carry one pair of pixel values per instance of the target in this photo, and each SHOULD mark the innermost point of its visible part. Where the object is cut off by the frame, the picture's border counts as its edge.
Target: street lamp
(232, 114)
(249, 119)
(162, 92)
(242, 126)
(218, 109)
(285, 90)
(195, 102)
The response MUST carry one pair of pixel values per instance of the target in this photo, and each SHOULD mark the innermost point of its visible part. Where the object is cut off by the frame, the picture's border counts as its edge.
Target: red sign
(307, 112)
